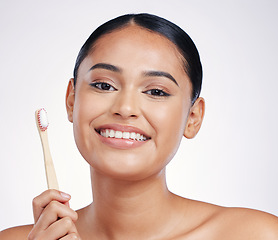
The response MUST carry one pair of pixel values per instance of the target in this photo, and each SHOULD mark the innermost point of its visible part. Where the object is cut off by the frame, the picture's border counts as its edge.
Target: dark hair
(185, 45)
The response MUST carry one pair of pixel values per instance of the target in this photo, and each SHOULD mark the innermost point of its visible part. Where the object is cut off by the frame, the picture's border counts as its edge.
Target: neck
(130, 207)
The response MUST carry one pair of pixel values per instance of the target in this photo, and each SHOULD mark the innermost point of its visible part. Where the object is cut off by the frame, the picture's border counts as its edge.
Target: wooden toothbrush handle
(51, 178)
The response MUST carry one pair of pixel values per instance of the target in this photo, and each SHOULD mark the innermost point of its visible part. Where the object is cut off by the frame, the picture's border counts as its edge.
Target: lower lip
(121, 143)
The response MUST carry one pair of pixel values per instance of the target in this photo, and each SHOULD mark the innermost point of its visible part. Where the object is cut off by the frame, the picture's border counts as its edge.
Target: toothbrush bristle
(42, 119)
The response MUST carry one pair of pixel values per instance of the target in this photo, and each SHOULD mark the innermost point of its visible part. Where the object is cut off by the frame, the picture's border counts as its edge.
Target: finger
(52, 212)
(61, 229)
(41, 201)
(72, 236)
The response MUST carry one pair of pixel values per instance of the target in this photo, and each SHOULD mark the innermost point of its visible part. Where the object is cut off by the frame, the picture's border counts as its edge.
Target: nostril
(131, 115)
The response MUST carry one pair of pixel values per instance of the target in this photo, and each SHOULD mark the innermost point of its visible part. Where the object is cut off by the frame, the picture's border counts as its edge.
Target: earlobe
(70, 99)
(195, 118)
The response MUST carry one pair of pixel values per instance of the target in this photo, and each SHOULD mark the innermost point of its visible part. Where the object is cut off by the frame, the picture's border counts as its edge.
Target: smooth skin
(118, 87)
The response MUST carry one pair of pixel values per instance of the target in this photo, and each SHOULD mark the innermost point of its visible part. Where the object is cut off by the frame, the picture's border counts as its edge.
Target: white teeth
(118, 134)
(133, 135)
(112, 133)
(125, 135)
(138, 137)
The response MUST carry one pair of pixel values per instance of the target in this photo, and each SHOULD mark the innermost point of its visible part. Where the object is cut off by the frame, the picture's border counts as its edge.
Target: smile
(110, 133)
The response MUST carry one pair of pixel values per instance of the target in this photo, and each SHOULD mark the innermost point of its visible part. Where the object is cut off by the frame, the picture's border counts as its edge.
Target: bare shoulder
(246, 224)
(215, 222)
(16, 233)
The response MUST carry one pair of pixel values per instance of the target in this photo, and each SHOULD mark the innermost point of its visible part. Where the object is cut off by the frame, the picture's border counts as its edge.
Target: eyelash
(102, 86)
(155, 92)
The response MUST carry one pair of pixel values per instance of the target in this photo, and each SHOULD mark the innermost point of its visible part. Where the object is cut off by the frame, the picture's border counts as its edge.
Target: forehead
(136, 34)
(137, 42)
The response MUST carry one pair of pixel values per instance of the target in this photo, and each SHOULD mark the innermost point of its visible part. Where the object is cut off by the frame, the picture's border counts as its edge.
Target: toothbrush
(42, 124)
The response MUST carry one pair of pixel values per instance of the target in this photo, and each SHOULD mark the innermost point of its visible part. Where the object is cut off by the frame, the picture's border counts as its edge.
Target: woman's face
(130, 104)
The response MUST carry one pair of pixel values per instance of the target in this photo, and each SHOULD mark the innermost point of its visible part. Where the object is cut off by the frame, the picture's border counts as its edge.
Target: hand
(54, 219)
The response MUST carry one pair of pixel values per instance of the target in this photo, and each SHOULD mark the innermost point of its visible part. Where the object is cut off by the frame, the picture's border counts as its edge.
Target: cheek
(87, 107)
(169, 121)
(79, 120)
(85, 111)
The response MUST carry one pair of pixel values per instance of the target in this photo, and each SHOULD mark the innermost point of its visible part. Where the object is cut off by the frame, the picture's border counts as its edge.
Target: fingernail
(65, 195)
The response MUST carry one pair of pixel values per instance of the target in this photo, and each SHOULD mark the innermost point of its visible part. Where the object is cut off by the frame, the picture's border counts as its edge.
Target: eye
(157, 93)
(103, 86)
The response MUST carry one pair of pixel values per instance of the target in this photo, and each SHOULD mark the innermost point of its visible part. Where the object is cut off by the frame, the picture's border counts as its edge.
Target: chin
(125, 168)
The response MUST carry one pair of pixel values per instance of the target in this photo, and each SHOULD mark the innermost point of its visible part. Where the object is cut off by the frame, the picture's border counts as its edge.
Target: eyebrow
(160, 74)
(106, 66)
(113, 68)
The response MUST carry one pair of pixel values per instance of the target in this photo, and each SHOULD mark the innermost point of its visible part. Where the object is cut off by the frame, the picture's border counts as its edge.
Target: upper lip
(122, 128)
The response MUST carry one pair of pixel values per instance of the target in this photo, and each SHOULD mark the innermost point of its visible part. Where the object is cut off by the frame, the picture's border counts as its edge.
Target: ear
(195, 118)
(70, 99)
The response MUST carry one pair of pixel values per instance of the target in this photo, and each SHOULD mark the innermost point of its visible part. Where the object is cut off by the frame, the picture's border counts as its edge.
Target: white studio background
(232, 161)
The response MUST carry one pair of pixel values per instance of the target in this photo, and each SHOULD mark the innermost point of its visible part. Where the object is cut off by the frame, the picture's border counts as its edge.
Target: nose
(126, 105)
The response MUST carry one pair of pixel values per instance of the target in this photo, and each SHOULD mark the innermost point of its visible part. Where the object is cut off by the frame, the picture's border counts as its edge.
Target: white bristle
(42, 118)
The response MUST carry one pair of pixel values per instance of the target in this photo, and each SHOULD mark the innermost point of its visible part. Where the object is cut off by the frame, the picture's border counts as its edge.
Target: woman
(134, 95)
